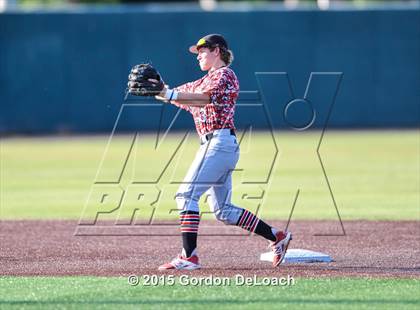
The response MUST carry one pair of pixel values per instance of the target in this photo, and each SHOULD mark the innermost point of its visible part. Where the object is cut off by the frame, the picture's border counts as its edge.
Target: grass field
(110, 293)
(373, 174)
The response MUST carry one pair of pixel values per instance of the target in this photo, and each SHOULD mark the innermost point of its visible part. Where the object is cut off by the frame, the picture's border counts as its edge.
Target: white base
(299, 256)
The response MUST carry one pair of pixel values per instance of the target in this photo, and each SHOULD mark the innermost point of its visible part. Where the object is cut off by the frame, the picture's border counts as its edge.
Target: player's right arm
(191, 99)
(183, 96)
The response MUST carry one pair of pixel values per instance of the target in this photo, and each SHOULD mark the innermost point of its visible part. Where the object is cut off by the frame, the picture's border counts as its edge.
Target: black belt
(210, 135)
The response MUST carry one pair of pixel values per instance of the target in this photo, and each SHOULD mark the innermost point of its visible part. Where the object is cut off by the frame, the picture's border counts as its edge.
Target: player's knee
(229, 215)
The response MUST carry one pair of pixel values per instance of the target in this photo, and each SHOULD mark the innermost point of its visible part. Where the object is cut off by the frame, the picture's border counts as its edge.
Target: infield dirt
(369, 248)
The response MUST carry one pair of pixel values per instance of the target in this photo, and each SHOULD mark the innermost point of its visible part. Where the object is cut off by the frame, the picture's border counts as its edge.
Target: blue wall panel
(66, 72)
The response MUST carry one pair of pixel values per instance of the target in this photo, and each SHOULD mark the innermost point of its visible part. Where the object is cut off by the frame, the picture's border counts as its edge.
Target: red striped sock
(189, 222)
(248, 221)
(252, 223)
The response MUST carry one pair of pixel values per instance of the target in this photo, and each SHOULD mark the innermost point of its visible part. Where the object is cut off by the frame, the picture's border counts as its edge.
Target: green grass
(374, 175)
(107, 293)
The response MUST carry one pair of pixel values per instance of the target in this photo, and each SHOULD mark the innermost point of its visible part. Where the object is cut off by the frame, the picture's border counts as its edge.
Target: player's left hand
(145, 80)
(161, 95)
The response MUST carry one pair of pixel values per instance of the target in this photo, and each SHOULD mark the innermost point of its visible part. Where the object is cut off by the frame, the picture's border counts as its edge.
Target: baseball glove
(144, 80)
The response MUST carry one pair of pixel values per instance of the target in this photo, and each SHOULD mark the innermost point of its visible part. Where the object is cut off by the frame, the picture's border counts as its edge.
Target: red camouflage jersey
(223, 87)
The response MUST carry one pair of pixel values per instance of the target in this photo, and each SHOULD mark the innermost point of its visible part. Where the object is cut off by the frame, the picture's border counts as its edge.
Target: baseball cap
(210, 40)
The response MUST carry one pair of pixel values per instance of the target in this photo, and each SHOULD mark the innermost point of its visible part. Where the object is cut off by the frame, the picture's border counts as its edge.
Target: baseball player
(211, 101)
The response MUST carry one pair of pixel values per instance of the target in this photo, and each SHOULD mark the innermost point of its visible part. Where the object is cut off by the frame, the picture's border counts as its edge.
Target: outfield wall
(67, 71)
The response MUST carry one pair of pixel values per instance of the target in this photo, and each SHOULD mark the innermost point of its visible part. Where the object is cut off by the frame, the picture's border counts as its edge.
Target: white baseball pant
(211, 172)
